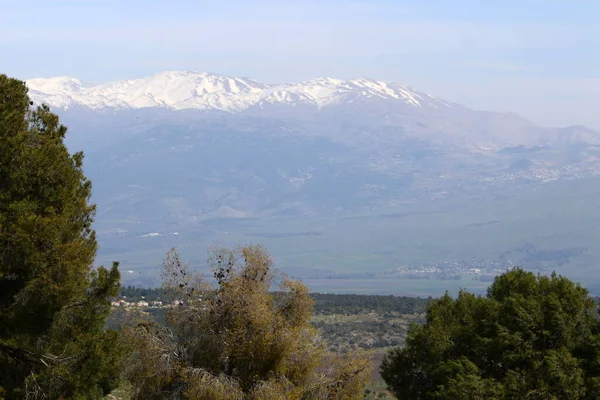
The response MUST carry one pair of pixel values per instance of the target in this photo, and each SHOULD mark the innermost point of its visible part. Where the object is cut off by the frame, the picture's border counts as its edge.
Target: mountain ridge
(205, 91)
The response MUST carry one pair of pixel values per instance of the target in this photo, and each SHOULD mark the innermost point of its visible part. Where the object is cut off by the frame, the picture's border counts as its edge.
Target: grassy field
(397, 287)
(364, 331)
(377, 389)
(552, 217)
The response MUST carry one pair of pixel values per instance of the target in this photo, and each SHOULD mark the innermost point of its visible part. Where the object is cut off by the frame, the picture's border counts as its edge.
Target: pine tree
(53, 305)
(531, 337)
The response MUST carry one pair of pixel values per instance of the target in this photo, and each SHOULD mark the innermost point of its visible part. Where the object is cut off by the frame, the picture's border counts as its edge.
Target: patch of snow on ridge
(61, 84)
(151, 234)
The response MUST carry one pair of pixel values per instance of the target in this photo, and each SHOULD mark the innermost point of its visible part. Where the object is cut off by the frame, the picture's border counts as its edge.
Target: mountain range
(201, 154)
(203, 91)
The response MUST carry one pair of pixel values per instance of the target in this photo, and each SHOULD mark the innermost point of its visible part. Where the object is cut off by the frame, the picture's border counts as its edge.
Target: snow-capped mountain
(207, 155)
(202, 91)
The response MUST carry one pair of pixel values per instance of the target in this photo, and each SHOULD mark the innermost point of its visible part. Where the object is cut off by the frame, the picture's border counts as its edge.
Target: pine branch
(19, 354)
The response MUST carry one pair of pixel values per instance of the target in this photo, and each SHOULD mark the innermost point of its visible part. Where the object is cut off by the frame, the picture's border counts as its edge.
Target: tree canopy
(52, 303)
(238, 340)
(531, 337)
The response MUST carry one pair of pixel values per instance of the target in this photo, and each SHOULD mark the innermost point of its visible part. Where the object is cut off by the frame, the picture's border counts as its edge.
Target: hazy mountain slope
(307, 167)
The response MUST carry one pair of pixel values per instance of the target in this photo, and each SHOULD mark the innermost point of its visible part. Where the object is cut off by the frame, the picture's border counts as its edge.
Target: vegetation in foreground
(237, 340)
(346, 322)
(531, 337)
(53, 306)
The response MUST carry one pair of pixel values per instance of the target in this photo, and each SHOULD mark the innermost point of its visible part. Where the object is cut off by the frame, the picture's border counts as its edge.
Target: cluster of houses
(142, 304)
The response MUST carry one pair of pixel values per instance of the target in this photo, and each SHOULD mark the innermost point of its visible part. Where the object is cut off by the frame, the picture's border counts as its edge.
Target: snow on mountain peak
(205, 91)
(183, 90)
(60, 84)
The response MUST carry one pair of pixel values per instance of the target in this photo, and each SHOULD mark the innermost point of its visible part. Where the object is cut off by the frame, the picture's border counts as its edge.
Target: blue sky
(540, 58)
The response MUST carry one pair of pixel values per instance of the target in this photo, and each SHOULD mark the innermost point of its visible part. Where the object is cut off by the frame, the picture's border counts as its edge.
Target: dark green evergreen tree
(53, 305)
(531, 337)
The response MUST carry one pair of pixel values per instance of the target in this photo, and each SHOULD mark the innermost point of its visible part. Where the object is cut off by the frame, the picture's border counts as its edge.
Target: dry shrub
(239, 340)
